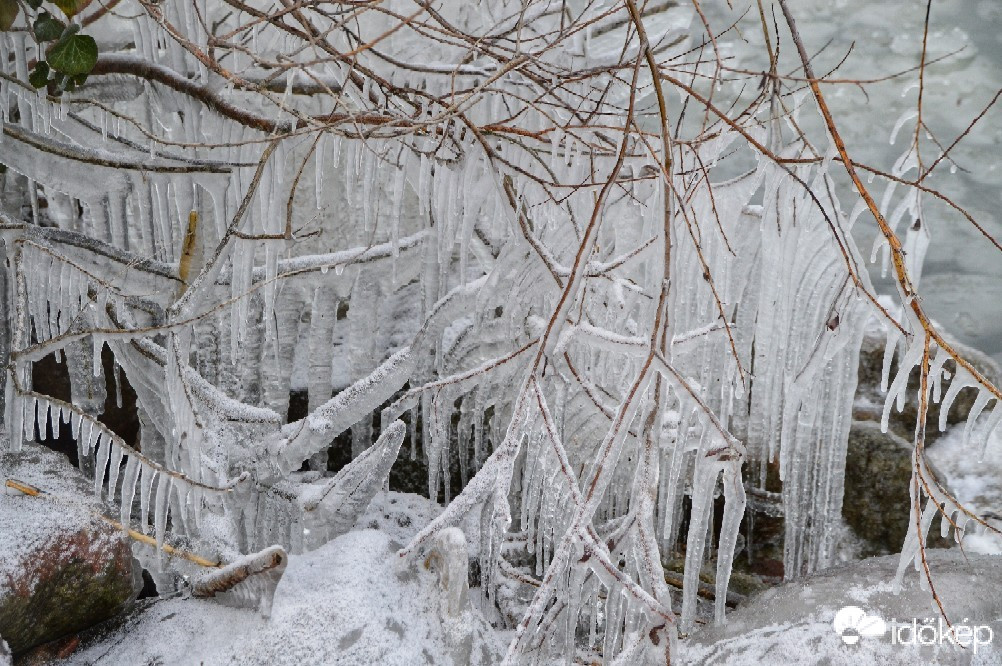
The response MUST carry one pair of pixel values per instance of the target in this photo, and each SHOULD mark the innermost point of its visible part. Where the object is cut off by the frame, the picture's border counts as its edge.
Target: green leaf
(40, 76)
(71, 7)
(8, 14)
(47, 28)
(34, 4)
(72, 56)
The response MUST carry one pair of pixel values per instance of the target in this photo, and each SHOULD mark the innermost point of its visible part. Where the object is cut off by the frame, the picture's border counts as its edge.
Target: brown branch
(273, 559)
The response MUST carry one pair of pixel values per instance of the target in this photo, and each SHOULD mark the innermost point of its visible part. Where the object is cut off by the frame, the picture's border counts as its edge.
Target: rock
(62, 568)
(876, 504)
(794, 623)
(765, 528)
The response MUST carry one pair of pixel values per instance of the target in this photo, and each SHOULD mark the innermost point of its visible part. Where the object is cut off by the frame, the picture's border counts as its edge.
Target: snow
(398, 515)
(352, 601)
(793, 624)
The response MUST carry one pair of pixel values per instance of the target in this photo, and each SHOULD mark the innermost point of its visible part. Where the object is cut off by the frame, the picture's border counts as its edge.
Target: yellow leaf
(187, 251)
(70, 7)
(8, 14)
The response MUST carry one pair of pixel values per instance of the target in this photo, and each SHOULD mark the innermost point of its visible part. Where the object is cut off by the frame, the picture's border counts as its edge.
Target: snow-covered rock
(352, 601)
(62, 568)
(795, 623)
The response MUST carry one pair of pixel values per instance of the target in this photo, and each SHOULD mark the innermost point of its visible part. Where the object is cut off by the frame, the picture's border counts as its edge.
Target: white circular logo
(852, 622)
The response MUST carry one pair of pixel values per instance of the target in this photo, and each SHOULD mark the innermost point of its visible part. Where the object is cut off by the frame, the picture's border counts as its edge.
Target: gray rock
(793, 624)
(878, 465)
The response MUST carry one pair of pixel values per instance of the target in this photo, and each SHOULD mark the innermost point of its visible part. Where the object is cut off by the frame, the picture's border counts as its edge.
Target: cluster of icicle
(176, 497)
(460, 300)
(907, 347)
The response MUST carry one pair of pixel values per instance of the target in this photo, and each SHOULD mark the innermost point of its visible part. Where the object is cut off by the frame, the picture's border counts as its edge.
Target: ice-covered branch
(250, 581)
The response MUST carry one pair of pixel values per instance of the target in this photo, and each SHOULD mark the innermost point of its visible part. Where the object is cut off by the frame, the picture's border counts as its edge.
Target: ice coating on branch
(94, 436)
(448, 556)
(317, 431)
(331, 509)
(250, 581)
(587, 340)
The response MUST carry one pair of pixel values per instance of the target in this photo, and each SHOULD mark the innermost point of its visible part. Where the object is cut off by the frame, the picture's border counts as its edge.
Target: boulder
(62, 568)
(878, 465)
(876, 504)
(796, 623)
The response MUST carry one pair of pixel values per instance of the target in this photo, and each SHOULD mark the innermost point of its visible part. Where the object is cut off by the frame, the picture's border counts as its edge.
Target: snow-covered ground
(352, 601)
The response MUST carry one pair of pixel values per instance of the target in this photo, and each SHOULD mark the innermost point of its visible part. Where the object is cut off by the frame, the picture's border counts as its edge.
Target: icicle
(195, 501)
(160, 509)
(129, 480)
(734, 509)
(15, 411)
(896, 392)
(972, 417)
(115, 465)
(86, 443)
(961, 380)
(899, 123)
(37, 421)
(98, 346)
(705, 478)
(101, 467)
(145, 488)
(117, 374)
(320, 159)
(991, 423)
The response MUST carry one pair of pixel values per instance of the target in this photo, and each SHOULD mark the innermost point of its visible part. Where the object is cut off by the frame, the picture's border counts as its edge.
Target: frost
(489, 240)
